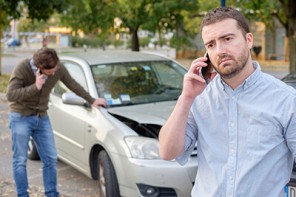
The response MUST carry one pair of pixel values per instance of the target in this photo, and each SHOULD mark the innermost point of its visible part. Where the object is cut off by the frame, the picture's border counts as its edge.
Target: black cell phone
(208, 68)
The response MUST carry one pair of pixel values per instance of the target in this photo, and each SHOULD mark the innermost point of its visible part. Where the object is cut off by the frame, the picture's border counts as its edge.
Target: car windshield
(134, 83)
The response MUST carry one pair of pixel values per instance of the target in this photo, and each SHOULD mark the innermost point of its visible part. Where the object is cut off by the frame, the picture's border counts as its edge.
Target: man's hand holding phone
(194, 83)
(208, 70)
(197, 77)
(40, 79)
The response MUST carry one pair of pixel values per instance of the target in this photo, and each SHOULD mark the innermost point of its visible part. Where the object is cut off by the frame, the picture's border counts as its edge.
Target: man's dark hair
(46, 58)
(223, 13)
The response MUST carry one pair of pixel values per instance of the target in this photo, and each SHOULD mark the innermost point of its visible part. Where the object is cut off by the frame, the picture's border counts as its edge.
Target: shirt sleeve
(20, 87)
(190, 140)
(290, 130)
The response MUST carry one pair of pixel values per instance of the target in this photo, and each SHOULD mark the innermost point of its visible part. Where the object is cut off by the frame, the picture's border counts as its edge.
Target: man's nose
(220, 48)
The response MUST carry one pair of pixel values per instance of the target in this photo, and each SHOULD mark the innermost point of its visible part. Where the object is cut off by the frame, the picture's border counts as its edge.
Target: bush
(90, 42)
(4, 79)
(144, 42)
(180, 43)
(118, 43)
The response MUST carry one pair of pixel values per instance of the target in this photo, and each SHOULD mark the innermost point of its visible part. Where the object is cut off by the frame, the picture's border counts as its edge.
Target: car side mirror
(71, 98)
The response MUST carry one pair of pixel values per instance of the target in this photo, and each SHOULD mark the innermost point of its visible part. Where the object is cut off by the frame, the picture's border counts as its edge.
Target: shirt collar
(254, 76)
(34, 68)
(250, 80)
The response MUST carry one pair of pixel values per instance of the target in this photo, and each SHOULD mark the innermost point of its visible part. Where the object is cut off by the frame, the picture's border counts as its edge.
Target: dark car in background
(290, 79)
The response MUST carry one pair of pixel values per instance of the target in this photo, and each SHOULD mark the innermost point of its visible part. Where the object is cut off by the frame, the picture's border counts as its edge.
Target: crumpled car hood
(152, 113)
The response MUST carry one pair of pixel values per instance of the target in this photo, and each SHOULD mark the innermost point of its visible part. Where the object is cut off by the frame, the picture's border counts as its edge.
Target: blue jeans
(22, 128)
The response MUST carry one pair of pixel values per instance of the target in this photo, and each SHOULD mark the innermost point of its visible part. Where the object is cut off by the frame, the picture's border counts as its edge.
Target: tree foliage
(158, 16)
(96, 17)
(36, 9)
(93, 17)
(176, 16)
(34, 25)
(154, 15)
(133, 14)
(266, 10)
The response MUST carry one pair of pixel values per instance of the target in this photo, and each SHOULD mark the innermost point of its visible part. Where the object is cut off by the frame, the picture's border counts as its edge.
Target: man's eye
(209, 46)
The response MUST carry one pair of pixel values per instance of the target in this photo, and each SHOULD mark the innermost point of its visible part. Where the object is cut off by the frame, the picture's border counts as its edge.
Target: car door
(69, 121)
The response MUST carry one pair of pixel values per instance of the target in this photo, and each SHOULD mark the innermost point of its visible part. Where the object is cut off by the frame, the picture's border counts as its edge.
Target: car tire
(108, 184)
(32, 151)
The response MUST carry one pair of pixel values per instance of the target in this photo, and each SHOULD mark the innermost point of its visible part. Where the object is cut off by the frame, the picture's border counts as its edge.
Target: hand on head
(40, 79)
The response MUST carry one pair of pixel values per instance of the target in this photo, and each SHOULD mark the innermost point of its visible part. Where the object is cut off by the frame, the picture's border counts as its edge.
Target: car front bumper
(155, 174)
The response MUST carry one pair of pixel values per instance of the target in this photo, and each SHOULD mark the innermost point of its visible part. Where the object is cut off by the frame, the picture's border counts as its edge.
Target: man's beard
(231, 69)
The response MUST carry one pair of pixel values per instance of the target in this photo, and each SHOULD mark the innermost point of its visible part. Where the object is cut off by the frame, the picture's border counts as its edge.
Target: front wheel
(108, 184)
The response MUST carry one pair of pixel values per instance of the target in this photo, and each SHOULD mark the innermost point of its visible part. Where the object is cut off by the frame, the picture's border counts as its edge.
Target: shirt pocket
(263, 136)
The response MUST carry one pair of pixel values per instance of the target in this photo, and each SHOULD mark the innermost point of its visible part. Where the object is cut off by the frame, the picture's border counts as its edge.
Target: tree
(177, 17)
(37, 9)
(283, 10)
(33, 25)
(133, 14)
(94, 17)
(152, 15)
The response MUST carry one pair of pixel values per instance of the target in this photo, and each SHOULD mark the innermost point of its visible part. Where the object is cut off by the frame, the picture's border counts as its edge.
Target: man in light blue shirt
(243, 122)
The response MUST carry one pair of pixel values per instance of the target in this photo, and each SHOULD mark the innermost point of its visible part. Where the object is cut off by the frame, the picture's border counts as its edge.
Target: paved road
(9, 60)
(11, 57)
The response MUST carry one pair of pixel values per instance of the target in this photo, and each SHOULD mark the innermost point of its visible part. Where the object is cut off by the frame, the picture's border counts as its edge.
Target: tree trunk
(292, 34)
(292, 51)
(134, 39)
(286, 50)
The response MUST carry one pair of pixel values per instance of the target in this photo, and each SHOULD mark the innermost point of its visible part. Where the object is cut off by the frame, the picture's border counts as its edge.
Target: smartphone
(205, 71)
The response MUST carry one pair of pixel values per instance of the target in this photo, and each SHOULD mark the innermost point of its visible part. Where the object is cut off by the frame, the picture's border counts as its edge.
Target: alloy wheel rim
(102, 180)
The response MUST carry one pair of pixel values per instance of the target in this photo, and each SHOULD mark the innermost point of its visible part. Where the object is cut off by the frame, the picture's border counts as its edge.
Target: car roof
(105, 57)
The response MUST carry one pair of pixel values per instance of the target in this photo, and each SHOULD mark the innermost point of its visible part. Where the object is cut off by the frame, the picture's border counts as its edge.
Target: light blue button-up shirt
(246, 138)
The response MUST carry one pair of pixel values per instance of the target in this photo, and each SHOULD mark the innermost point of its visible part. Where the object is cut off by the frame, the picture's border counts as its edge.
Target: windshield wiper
(163, 88)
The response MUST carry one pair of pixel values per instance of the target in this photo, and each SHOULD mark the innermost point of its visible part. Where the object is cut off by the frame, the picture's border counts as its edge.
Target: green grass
(4, 78)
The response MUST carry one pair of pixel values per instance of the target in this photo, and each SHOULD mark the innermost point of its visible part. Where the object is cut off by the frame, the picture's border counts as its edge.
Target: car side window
(77, 74)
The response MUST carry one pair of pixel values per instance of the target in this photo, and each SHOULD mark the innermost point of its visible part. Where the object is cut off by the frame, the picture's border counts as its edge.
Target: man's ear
(249, 38)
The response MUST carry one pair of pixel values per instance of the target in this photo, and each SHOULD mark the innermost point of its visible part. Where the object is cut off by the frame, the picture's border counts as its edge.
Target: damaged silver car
(118, 145)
